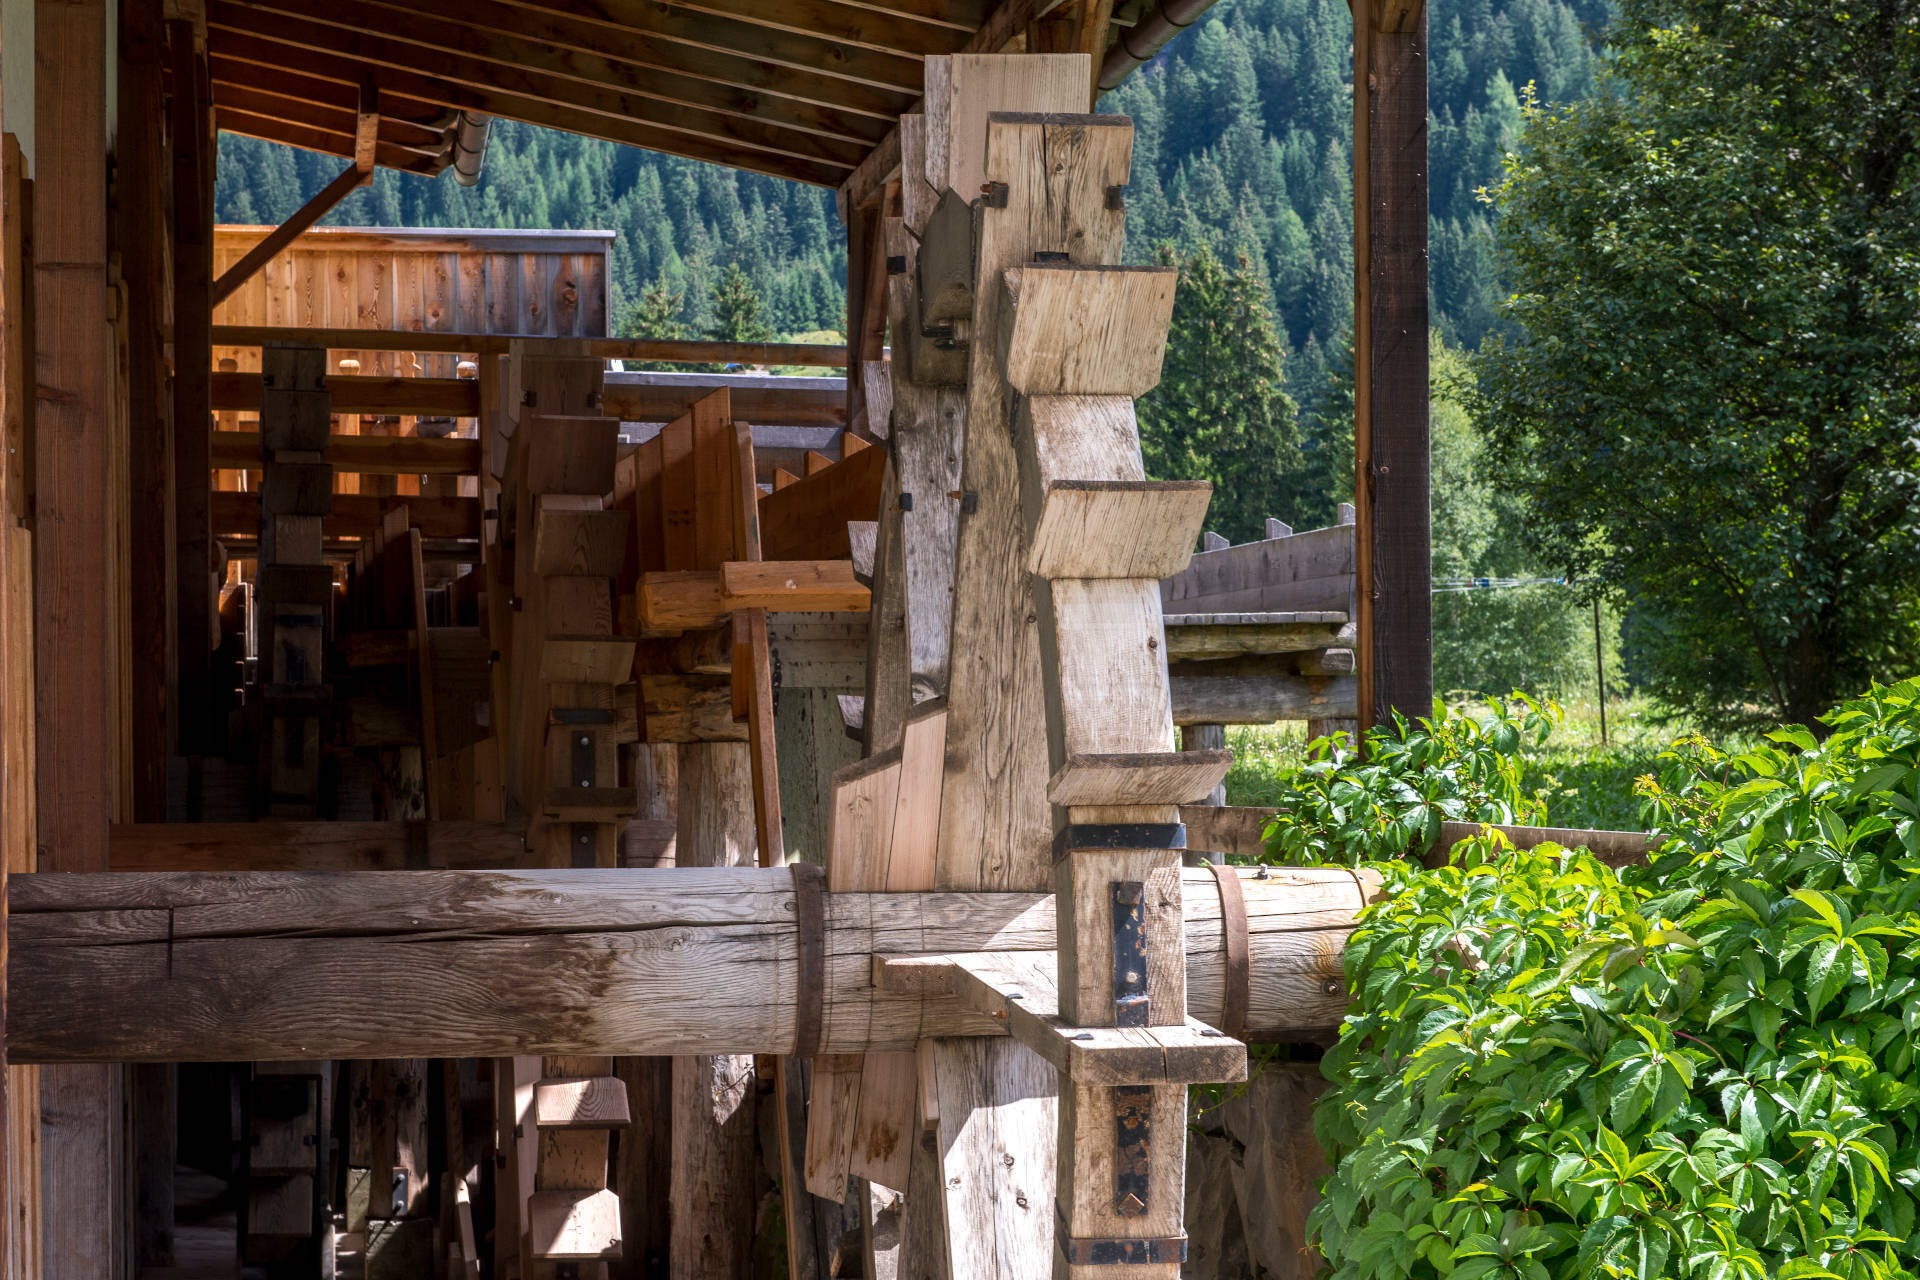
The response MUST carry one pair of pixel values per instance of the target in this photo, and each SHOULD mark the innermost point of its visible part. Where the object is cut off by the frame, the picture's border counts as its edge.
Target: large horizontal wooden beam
(688, 351)
(772, 108)
(352, 393)
(588, 110)
(1261, 699)
(272, 966)
(355, 515)
(364, 455)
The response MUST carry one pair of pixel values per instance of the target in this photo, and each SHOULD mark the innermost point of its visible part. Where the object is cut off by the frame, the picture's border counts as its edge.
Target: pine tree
(1221, 412)
(735, 310)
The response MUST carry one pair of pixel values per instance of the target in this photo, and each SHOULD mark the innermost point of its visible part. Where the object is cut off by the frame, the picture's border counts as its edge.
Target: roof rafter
(612, 125)
(337, 29)
(584, 24)
(262, 100)
(325, 141)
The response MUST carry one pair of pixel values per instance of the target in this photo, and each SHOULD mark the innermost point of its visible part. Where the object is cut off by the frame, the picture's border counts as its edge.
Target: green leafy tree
(1701, 1068)
(1713, 397)
(1221, 411)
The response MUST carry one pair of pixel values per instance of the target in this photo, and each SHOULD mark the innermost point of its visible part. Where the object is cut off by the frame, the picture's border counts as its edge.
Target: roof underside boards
(800, 89)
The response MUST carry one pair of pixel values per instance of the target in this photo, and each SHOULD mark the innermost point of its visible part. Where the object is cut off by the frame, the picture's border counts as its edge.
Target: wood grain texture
(1393, 529)
(1084, 330)
(963, 89)
(271, 966)
(1201, 699)
(1104, 662)
(1170, 777)
(995, 1097)
(583, 1102)
(994, 799)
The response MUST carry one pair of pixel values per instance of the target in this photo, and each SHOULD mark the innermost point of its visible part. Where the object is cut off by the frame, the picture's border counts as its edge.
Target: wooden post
(190, 126)
(1393, 590)
(141, 236)
(19, 1087)
(73, 516)
(714, 1097)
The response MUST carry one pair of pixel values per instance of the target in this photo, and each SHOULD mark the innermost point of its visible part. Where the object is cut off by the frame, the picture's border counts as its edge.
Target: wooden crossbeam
(312, 108)
(269, 966)
(364, 455)
(687, 351)
(641, 402)
(365, 137)
(354, 393)
(356, 515)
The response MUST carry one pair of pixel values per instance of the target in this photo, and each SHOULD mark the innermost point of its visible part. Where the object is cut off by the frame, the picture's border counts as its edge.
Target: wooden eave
(802, 89)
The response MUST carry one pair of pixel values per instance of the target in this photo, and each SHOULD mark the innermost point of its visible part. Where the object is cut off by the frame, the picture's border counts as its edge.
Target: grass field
(1585, 784)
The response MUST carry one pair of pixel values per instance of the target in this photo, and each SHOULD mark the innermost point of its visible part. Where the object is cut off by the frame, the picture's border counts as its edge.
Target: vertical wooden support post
(73, 515)
(19, 1086)
(714, 1098)
(141, 236)
(190, 129)
(1393, 552)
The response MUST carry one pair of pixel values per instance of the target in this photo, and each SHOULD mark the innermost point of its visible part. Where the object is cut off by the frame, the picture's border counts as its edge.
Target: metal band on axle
(810, 920)
(1237, 992)
(1119, 835)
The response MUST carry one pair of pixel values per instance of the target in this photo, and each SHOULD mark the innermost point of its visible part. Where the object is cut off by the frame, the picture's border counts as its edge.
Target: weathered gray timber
(270, 966)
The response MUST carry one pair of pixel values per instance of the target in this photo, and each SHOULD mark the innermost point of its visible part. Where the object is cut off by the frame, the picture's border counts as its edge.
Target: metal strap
(1239, 975)
(1085, 1251)
(1119, 835)
(810, 915)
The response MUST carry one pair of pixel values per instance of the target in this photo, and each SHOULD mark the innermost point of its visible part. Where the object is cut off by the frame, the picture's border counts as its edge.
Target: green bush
(1704, 1067)
(1336, 808)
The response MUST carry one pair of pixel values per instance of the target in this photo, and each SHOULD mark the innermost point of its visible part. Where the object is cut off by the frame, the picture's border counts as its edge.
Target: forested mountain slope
(1244, 127)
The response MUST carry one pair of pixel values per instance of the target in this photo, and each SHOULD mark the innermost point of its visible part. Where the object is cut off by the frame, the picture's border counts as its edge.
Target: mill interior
(472, 809)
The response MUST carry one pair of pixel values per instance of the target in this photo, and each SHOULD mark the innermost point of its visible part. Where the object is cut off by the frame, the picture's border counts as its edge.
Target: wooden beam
(322, 203)
(357, 515)
(269, 128)
(914, 27)
(641, 402)
(140, 235)
(353, 393)
(1393, 535)
(274, 965)
(288, 87)
(190, 126)
(271, 41)
(604, 24)
(771, 109)
(690, 351)
(364, 455)
(251, 101)
(77, 510)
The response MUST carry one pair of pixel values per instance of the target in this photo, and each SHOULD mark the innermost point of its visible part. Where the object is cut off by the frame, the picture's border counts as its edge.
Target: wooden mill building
(484, 812)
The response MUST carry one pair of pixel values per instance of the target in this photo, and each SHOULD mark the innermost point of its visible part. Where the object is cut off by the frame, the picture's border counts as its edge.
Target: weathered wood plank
(273, 965)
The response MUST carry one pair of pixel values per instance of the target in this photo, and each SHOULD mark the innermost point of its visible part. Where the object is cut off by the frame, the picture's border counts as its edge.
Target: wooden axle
(267, 966)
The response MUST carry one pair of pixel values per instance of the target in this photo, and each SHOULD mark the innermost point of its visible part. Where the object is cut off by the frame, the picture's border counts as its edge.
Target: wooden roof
(800, 89)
